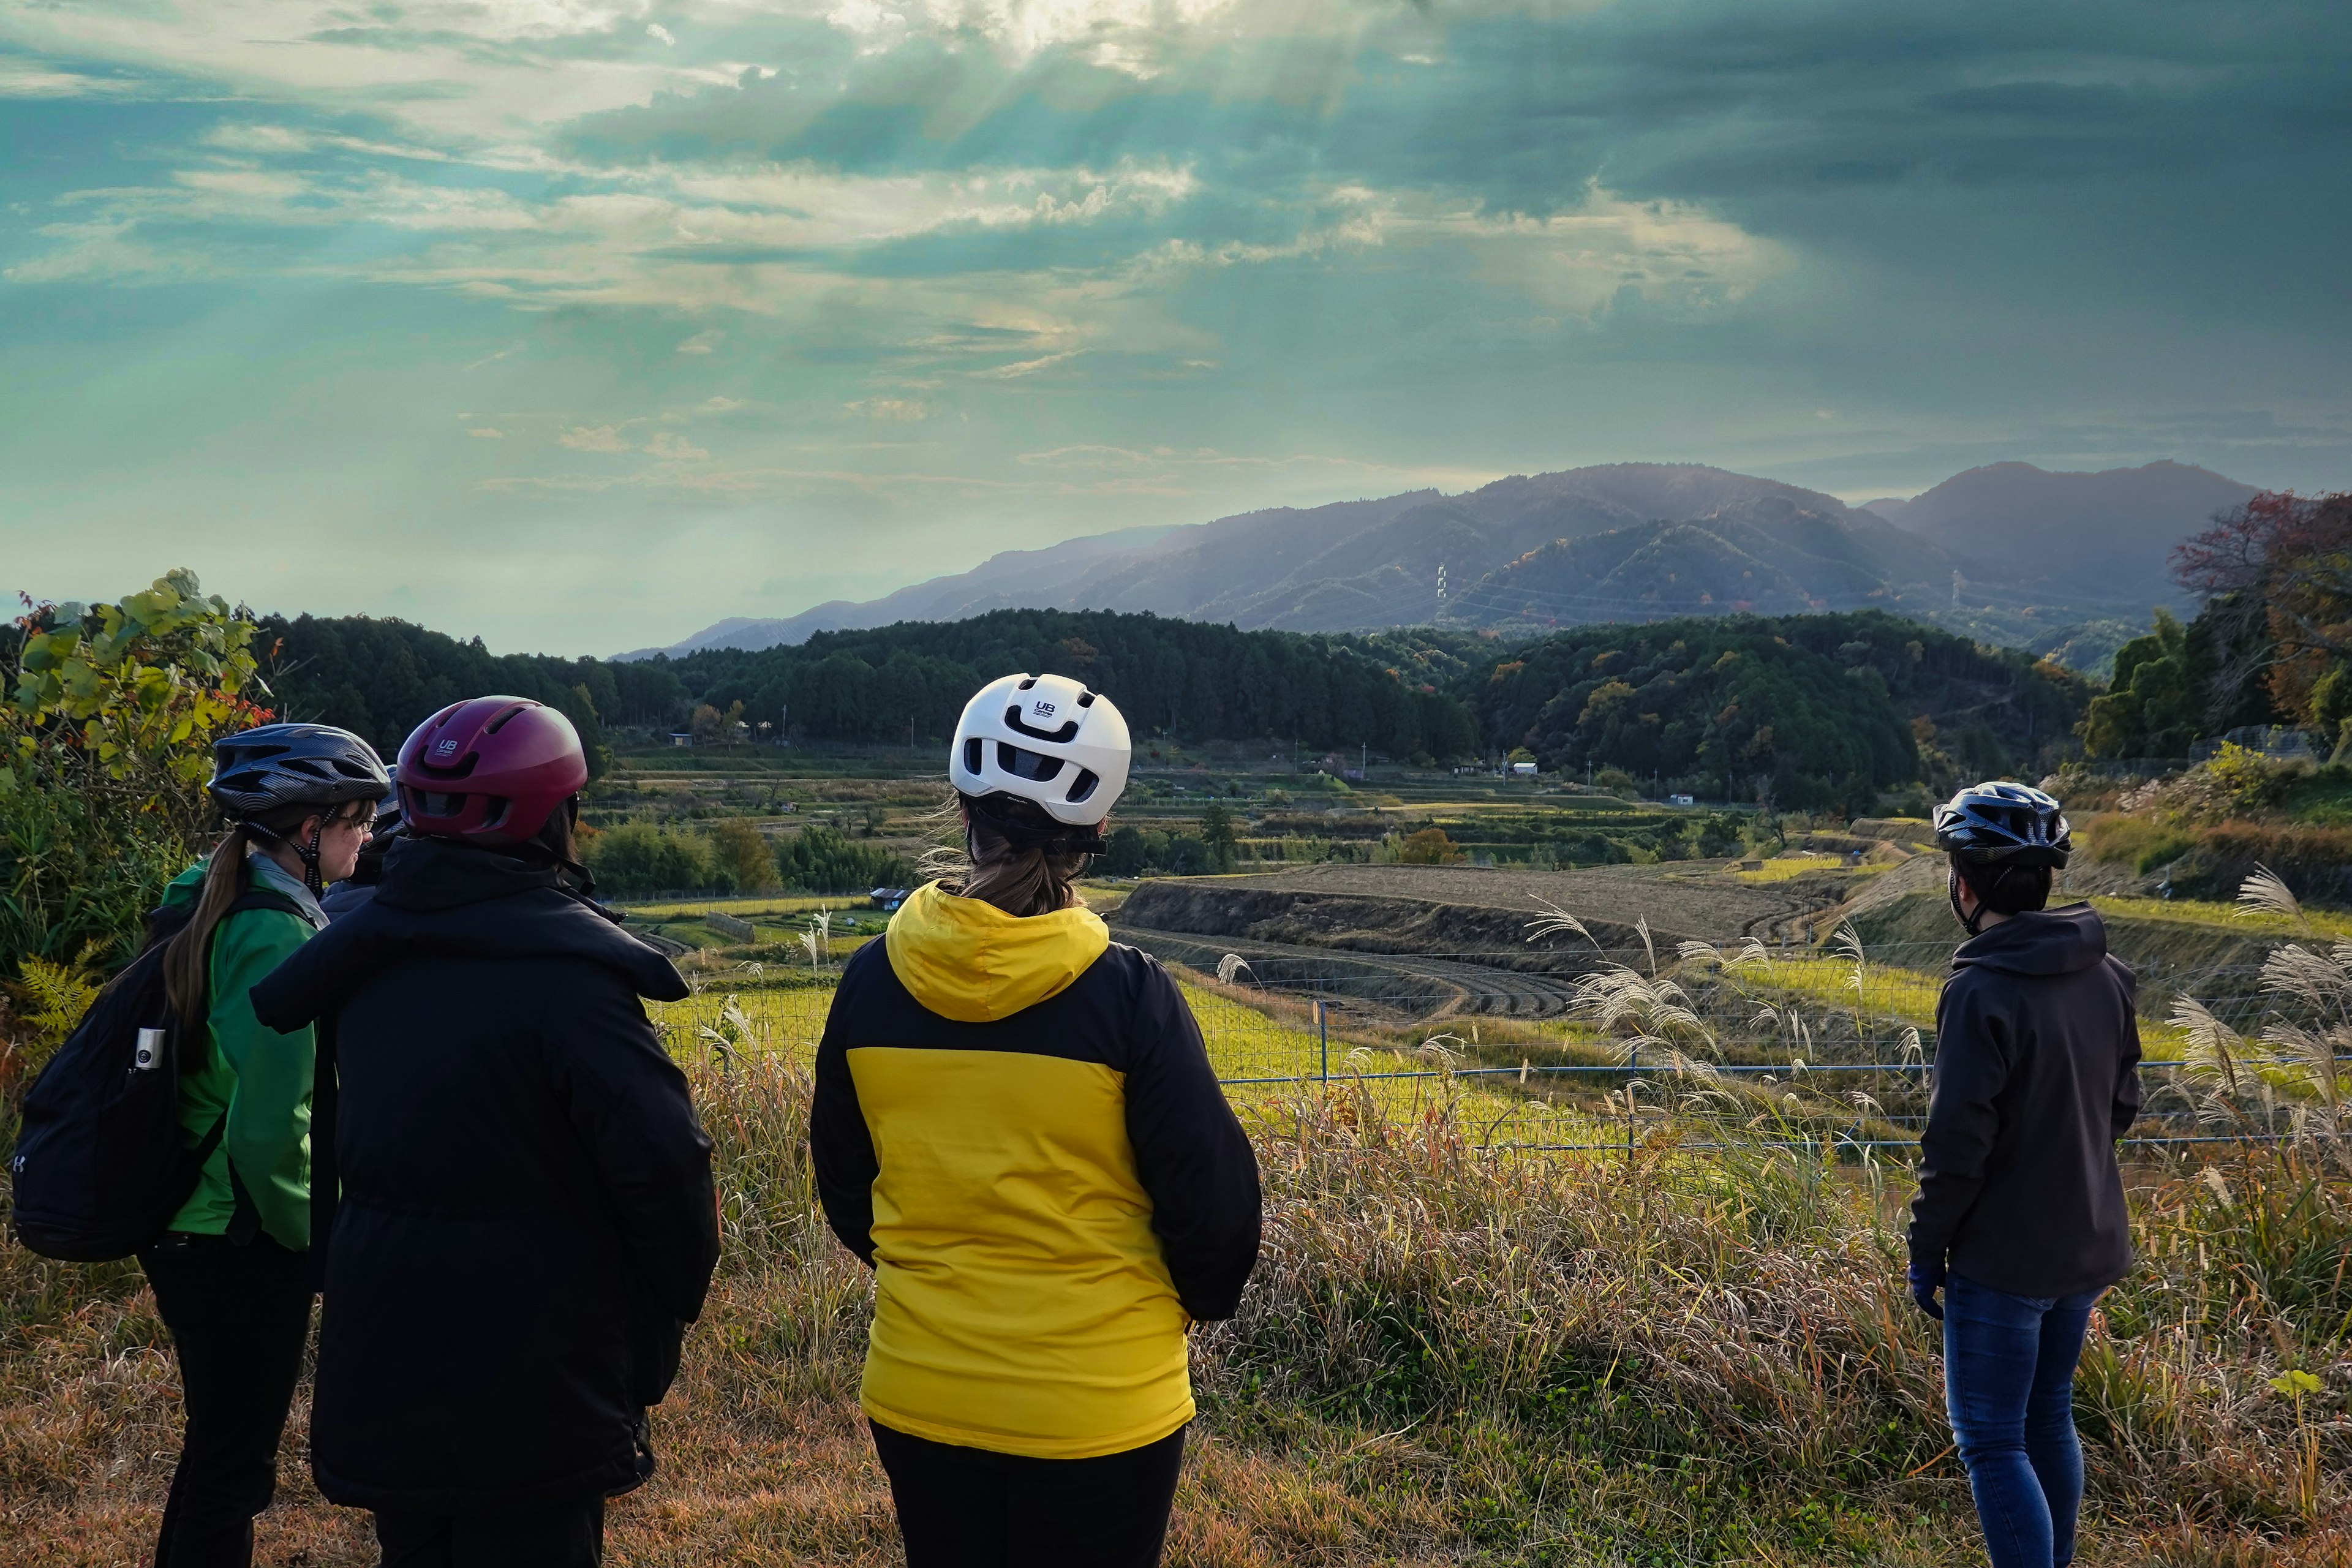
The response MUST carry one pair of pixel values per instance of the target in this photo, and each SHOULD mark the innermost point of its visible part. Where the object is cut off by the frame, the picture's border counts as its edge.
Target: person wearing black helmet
(228, 1273)
(2020, 1220)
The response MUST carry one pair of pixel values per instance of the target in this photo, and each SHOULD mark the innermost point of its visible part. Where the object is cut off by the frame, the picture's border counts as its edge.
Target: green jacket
(261, 1078)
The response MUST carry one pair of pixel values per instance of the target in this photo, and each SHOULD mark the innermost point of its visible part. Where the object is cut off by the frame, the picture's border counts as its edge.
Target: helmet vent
(500, 721)
(437, 804)
(972, 755)
(1027, 683)
(1087, 700)
(1031, 766)
(1082, 786)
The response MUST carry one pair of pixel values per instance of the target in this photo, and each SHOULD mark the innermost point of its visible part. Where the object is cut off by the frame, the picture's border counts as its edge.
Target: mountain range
(2009, 551)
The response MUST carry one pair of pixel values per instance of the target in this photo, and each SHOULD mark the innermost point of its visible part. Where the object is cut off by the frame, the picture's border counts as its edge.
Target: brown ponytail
(1019, 879)
(187, 957)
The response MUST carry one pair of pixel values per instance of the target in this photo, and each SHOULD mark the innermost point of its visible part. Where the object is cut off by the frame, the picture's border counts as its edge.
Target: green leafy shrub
(2143, 843)
(1136, 851)
(2245, 779)
(820, 859)
(106, 730)
(638, 859)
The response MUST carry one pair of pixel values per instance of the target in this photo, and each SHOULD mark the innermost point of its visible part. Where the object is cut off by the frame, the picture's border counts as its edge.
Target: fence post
(1323, 1038)
(1632, 1059)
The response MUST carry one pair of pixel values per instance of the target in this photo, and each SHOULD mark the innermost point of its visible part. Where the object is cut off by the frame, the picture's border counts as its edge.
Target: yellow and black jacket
(1017, 1128)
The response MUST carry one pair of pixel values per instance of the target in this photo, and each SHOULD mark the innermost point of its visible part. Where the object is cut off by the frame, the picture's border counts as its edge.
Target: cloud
(670, 445)
(890, 410)
(1015, 269)
(485, 432)
(594, 438)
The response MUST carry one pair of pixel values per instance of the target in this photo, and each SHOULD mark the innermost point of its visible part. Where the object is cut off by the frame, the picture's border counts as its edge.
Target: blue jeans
(2008, 1384)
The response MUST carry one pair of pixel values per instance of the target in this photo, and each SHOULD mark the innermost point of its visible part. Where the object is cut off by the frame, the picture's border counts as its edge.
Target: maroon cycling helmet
(492, 768)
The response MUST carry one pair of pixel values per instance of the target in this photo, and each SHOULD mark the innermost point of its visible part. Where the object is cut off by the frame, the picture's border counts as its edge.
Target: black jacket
(2037, 1059)
(525, 1223)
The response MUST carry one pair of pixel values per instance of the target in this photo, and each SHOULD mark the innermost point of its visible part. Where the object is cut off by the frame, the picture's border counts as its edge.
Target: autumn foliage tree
(2276, 577)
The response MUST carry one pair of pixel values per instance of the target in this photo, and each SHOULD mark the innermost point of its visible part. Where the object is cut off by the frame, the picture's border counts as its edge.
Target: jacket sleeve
(2126, 1105)
(268, 1139)
(1191, 1153)
(630, 1105)
(1971, 1066)
(841, 1147)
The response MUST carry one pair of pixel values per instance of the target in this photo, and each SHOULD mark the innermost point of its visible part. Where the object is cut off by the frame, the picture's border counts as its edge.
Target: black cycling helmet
(260, 770)
(387, 810)
(1998, 823)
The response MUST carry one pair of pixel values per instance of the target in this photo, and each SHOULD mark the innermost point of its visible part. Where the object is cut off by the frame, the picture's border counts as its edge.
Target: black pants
(967, 1508)
(238, 1317)
(567, 1537)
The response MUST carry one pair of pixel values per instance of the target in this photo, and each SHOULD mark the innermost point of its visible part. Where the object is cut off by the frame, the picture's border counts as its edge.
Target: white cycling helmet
(1043, 740)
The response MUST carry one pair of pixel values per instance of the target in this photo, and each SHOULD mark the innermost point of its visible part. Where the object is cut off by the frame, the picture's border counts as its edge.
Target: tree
(821, 859)
(1217, 833)
(2151, 708)
(2276, 577)
(743, 852)
(636, 859)
(106, 731)
(1429, 847)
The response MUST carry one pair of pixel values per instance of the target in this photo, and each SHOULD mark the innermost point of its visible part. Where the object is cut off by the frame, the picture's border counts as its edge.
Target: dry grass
(1446, 1355)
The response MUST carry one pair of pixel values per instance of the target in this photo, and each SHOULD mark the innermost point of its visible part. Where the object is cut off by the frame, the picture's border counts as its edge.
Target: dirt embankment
(1440, 910)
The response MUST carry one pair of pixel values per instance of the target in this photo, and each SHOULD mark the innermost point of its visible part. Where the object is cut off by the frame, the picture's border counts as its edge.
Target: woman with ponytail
(228, 1273)
(1017, 1128)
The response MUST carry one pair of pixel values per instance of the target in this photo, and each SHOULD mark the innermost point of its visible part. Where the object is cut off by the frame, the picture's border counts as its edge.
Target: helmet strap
(1968, 922)
(306, 853)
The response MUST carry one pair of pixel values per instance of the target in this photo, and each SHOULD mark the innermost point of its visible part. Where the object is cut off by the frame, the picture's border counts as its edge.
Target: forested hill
(380, 678)
(1173, 676)
(1807, 711)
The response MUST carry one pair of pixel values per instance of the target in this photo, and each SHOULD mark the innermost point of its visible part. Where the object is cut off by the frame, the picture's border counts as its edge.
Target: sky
(578, 325)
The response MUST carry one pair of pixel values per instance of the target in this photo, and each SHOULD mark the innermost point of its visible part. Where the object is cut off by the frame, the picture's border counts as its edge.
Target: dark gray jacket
(2037, 1059)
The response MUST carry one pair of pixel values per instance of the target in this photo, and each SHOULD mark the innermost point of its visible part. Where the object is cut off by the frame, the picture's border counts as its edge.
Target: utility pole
(784, 725)
(1440, 590)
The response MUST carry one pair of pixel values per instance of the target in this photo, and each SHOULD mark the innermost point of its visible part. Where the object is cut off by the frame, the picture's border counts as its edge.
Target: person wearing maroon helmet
(512, 1205)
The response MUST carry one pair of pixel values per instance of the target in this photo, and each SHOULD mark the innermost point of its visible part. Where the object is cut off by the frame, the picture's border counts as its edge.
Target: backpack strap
(264, 899)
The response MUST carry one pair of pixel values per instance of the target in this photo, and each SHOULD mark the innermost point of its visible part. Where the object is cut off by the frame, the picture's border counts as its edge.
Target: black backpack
(100, 1167)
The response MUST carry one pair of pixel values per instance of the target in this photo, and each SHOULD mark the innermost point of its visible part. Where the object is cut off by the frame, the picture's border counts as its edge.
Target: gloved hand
(1927, 1279)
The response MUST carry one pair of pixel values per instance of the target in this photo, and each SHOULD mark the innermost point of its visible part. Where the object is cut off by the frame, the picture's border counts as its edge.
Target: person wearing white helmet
(1017, 1128)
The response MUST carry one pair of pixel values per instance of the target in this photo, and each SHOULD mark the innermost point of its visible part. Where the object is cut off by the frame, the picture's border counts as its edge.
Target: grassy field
(1446, 1358)
(1780, 868)
(2204, 912)
(1272, 1047)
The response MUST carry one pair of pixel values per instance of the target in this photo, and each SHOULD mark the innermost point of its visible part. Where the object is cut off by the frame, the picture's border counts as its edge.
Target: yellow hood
(967, 960)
